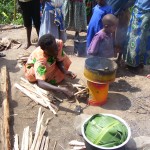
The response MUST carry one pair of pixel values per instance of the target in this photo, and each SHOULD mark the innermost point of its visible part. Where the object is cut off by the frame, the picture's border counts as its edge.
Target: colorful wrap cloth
(57, 11)
(138, 42)
(41, 66)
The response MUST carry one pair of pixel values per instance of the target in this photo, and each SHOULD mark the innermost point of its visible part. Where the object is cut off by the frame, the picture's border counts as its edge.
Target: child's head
(101, 2)
(110, 23)
(48, 44)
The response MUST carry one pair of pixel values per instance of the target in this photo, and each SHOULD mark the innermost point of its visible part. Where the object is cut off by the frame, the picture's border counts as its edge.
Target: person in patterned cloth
(53, 20)
(75, 16)
(138, 44)
(48, 65)
(89, 9)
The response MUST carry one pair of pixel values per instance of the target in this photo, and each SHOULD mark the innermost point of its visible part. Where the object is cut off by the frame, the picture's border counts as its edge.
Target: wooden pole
(6, 114)
(15, 9)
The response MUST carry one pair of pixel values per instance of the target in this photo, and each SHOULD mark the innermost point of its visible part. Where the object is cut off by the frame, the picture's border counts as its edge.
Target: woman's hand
(70, 74)
(66, 91)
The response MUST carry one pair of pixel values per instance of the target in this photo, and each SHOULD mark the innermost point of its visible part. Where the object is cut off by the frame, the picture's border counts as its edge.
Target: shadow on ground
(11, 67)
(123, 86)
(117, 102)
(124, 71)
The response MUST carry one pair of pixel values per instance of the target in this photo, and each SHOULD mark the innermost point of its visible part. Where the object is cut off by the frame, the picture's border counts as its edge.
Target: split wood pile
(37, 94)
(40, 141)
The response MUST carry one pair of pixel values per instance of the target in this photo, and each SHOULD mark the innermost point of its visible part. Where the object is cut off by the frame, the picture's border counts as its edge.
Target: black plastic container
(80, 48)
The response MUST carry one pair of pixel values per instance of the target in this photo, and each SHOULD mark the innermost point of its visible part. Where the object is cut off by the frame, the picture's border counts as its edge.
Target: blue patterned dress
(138, 45)
(53, 20)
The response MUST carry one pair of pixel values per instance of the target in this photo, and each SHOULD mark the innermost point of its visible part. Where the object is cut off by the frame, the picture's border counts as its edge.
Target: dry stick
(39, 140)
(80, 92)
(30, 139)
(38, 126)
(46, 101)
(32, 89)
(42, 90)
(48, 120)
(2, 136)
(16, 142)
(55, 145)
(44, 98)
(58, 99)
(61, 146)
(78, 86)
(6, 128)
(23, 138)
(43, 143)
(31, 95)
(46, 143)
(26, 139)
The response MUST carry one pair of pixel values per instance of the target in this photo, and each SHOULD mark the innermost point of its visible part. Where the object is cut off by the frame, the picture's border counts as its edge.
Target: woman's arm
(47, 86)
(63, 70)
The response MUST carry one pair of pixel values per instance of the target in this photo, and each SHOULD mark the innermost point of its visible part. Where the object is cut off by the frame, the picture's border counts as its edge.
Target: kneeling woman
(48, 64)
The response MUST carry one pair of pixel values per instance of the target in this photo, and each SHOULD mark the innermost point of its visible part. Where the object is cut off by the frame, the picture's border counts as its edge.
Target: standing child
(95, 23)
(102, 43)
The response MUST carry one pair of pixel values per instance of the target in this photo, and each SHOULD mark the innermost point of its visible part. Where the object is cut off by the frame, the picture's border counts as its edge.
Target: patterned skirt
(138, 45)
(75, 15)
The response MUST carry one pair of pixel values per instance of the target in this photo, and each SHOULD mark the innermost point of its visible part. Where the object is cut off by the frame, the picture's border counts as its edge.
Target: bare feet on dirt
(27, 46)
(2, 55)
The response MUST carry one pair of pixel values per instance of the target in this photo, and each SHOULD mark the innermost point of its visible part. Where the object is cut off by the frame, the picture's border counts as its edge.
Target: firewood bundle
(39, 142)
(37, 94)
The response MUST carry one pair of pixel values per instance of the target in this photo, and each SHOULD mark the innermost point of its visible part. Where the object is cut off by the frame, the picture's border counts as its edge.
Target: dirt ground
(128, 97)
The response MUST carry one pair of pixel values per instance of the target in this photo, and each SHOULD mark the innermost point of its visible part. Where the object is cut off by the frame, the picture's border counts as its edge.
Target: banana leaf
(105, 131)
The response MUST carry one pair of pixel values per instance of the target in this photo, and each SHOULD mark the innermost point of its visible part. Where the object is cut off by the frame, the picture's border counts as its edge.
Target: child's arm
(94, 46)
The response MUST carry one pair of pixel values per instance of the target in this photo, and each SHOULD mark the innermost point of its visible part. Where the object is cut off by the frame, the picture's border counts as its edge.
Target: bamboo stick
(43, 143)
(37, 92)
(46, 143)
(16, 142)
(38, 127)
(55, 145)
(6, 113)
(84, 90)
(42, 90)
(31, 95)
(26, 139)
(46, 101)
(30, 139)
(23, 138)
(39, 140)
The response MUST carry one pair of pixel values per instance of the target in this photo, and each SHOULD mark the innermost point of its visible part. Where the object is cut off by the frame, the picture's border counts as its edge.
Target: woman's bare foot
(148, 76)
(2, 55)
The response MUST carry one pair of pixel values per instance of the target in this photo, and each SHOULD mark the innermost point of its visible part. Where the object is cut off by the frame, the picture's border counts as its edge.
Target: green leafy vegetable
(105, 131)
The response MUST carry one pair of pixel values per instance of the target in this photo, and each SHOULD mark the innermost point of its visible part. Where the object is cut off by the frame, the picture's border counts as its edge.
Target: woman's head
(101, 2)
(48, 44)
(110, 23)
